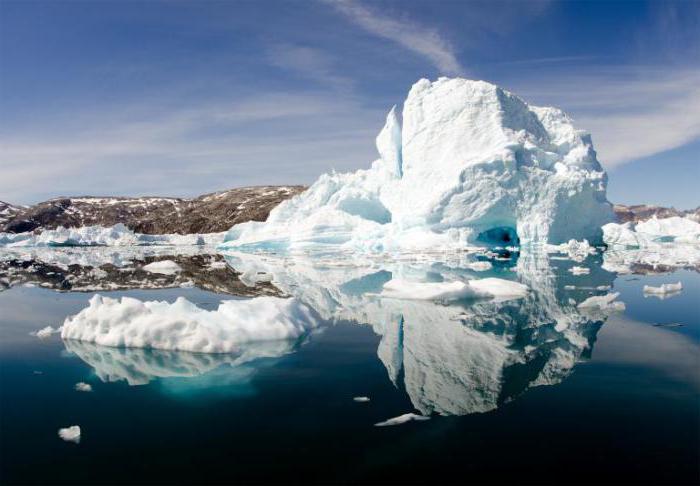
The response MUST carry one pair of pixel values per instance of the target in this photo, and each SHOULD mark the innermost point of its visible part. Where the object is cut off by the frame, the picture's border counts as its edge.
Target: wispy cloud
(273, 138)
(413, 36)
(309, 62)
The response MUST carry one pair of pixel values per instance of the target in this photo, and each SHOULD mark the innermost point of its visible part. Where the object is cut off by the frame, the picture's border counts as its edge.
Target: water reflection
(141, 366)
(465, 357)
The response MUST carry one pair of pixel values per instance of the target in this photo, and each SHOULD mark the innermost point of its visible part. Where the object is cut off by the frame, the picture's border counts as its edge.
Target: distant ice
(361, 399)
(664, 291)
(83, 387)
(652, 233)
(402, 419)
(165, 267)
(70, 434)
(117, 235)
(480, 266)
(45, 332)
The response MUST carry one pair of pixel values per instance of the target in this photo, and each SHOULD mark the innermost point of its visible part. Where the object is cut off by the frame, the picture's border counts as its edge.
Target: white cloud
(411, 35)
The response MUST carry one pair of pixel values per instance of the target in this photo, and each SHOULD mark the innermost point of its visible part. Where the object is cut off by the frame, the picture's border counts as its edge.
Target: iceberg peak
(466, 163)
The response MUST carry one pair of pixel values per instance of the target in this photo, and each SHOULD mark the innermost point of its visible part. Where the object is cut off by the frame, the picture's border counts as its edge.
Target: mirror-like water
(539, 388)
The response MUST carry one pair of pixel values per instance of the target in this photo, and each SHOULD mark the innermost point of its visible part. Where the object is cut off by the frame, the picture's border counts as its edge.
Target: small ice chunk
(402, 419)
(165, 267)
(361, 399)
(70, 434)
(83, 387)
(45, 332)
(603, 303)
(579, 270)
(664, 289)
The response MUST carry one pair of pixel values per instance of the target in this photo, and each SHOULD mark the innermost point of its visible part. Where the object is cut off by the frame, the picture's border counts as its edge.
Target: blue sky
(182, 98)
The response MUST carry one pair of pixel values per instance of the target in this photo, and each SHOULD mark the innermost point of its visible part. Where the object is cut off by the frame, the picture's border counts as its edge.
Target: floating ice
(83, 387)
(165, 267)
(603, 303)
(471, 164)
(664, 291)
(70, 434)
(183, 326)
(402, 419)
(575, 250)
(361, 399)
(46, 332)
(652, 233)
(117, 235)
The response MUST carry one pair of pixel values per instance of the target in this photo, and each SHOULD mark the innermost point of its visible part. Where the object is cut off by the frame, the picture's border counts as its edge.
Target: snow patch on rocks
(165, 267)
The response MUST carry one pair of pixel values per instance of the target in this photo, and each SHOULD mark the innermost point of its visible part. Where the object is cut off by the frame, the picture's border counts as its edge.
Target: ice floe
(664, 291)
(652, 233)
(603, 303)
(183, 326)
(165, 267)
(83, 387)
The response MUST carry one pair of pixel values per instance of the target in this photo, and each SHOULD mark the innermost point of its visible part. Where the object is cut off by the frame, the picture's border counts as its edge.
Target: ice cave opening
(499, 236)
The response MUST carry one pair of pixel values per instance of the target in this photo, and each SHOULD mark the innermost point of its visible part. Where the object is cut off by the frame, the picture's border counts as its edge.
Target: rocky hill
(641, 212)
(209, 213)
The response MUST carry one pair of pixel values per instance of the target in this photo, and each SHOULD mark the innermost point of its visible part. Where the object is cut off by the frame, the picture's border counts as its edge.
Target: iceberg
(117, 235)
(652, 233)
(469, 164)
(182, 326)
(446, 291)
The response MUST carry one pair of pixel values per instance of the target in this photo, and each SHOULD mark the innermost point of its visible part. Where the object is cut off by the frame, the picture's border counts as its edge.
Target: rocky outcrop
(642, 212)
(210, 213)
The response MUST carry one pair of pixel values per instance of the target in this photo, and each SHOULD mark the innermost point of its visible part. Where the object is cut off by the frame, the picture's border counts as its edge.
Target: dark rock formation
(210, 213)
(641, 212)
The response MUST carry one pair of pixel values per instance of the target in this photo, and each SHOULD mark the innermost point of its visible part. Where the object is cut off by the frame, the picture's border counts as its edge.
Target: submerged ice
(468, 164)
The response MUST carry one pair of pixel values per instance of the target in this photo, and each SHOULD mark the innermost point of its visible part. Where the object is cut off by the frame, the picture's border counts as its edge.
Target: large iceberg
(468, 164)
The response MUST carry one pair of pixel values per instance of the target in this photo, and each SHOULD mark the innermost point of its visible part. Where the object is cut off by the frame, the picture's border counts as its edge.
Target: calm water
(534, 390)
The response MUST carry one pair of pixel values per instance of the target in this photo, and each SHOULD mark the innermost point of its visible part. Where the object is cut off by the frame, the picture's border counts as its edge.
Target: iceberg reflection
(466, 357)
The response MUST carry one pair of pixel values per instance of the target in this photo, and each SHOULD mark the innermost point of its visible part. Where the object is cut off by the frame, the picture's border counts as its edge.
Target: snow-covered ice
(653, 233)
(603, 303)
(165, 267)
(83, 387)
(117, 235)
(70, 434)
(663, 291)
(470, 164)
(361, 399)
(183, 326)
(402, 419)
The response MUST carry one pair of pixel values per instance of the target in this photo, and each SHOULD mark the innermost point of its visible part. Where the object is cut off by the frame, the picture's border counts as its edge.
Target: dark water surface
(613, 398)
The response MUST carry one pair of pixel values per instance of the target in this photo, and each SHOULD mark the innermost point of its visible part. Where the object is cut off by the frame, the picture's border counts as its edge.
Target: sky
(180, 98)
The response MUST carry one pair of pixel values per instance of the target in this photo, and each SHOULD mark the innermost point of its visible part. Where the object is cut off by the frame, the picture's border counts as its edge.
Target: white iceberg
(470, 164)
(45, 332)
(653, 233)
(70, 434)
(361, 399)
(117, 235)
(183, 326)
